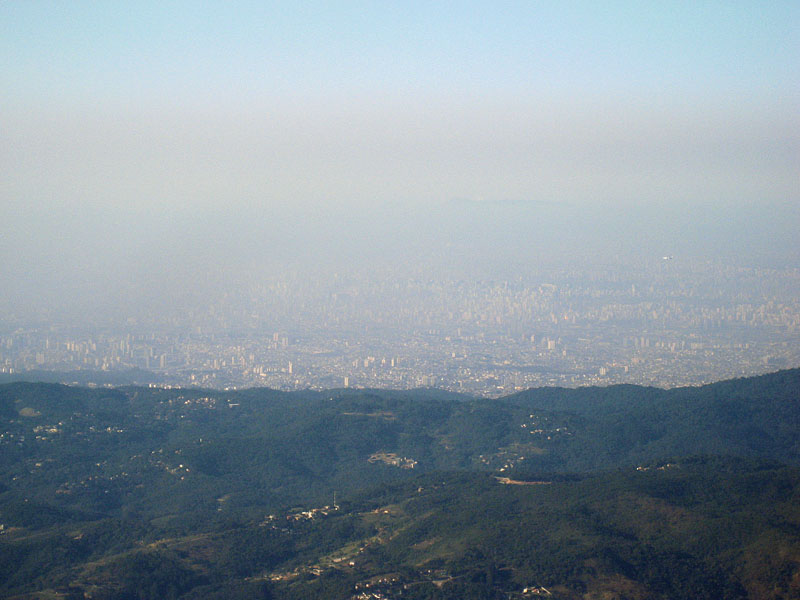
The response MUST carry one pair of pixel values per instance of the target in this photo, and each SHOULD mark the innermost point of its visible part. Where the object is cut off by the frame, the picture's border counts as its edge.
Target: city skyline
(667, 322)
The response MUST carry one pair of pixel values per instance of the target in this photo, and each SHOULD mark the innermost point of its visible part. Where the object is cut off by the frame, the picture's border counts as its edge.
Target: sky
(149, 143)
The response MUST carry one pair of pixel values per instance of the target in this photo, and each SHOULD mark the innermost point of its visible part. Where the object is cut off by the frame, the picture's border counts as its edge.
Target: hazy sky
(168, 139)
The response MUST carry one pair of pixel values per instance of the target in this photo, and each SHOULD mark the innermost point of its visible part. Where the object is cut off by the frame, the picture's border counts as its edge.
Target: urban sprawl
(662, 322)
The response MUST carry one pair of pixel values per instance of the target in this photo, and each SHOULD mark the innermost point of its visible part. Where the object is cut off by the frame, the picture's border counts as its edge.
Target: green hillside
(202, 492)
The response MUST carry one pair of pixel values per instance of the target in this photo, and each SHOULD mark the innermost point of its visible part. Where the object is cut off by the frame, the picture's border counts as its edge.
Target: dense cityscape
(664, 322)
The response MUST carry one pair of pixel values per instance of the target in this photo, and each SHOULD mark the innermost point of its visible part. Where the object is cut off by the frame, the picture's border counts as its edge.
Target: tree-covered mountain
(202, 492)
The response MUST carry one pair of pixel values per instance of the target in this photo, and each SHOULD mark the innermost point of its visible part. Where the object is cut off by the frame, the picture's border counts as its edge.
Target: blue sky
(251, 52)
(124, 119)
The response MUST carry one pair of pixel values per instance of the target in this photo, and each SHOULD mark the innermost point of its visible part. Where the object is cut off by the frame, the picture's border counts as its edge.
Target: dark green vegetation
(84, 377)
(632, 493)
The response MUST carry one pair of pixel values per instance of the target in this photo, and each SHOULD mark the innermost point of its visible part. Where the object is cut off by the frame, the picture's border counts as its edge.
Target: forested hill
(195, 490)
(756, 416)
(286, 447)
(781, 387)
(331, 433)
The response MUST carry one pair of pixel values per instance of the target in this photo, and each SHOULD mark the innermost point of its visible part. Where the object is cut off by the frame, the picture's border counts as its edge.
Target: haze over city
(328, 172)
